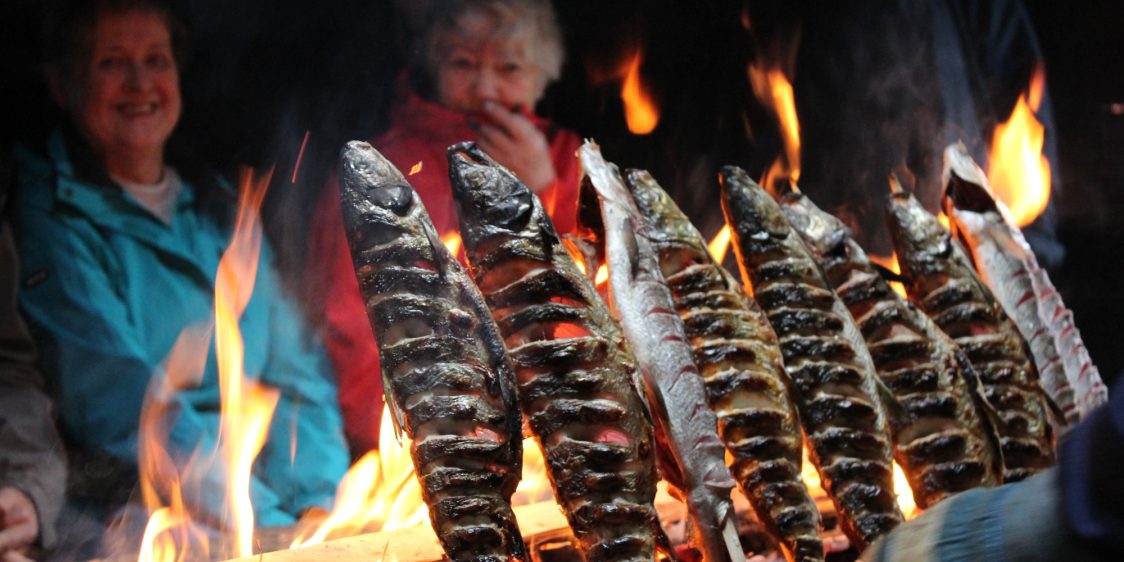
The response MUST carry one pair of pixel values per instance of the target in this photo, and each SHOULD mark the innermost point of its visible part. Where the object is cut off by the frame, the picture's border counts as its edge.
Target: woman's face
(126, 96)
(471, 72)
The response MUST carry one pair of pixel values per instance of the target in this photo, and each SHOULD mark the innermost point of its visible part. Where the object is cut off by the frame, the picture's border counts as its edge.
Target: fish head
(750, 211)
(822, 232)
(490, 198)
(669, 224)
(921, 243)
(377, 200)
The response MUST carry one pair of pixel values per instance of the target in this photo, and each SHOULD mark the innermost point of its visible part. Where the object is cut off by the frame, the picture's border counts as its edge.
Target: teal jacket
(108, 289)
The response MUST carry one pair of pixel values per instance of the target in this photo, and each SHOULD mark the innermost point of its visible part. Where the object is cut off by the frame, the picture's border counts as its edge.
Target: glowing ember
(904, 494)
(640, 111)
(943, 219)
(1018, 173)
(890, 262)
(720, 244)
(416, 168)
(811, 477)
(602, 275)
(300, 156)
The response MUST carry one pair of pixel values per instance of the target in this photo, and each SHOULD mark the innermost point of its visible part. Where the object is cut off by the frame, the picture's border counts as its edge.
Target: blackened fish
(685, 426)
(837, 392)
(577, 378)
(943, 285)
(740, 361)
(944, 442)
(447, 378)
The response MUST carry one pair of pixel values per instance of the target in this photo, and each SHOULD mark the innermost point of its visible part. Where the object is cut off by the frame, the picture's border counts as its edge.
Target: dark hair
(69, 25)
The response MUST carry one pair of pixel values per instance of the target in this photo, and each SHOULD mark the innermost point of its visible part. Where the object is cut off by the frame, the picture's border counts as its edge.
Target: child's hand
(514, 141)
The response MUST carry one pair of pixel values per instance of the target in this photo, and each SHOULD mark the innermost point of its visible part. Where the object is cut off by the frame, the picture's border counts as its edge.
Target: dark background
(263, 73)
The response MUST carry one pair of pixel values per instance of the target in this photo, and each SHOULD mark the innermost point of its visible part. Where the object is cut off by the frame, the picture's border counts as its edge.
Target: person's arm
(305, 455)
(95, 354)
(32, 469)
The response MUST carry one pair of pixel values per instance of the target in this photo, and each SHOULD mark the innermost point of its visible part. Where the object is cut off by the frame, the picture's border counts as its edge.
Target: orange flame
(904, 494)
(1019, 174)
(416, 168)
(720, 244)
(774, 90)
(640, 110)
(381, 493)
(890, 262)
(246, 406)
(300, 156)
(602, 275)
(452, 241)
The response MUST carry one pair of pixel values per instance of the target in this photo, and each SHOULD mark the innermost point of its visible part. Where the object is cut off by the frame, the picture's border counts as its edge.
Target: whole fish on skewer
(740, 361)
(447, 378)
(577, 378)
(685, 424)
(943, 285)
(945, 442)
(837, 392)
(1008, 267)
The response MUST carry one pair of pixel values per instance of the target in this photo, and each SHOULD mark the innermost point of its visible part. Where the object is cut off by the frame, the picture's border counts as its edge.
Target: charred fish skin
(739, 359)
(944, 286)
(686, 427)
(577, 377)
(448, 381)
(1007, 265)
(944, 444)
(831, 371)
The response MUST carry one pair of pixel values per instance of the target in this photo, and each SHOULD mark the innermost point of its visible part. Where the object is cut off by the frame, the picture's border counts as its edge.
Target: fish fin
(990, 416)
(396, 414)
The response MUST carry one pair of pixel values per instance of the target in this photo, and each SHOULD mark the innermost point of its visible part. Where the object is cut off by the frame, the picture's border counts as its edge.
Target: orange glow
(890, 262)
(904, 494)
(300, 156)
(774, 90)
(720, 244)
(380, 491)
(640, 110)
(1019, 174)
(602, 275)
(943, 219)
(452, 241)
(811, 477)
(416, 168)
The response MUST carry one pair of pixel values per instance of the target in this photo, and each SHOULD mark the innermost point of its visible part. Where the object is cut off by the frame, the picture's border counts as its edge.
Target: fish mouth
(369, 175)
(968, 196)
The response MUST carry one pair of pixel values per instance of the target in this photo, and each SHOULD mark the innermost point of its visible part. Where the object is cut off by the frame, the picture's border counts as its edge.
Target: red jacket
(419, 134)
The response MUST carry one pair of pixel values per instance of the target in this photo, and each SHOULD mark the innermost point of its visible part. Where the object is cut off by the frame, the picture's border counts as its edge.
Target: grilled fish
(686, 426)
(577, 378)
(448, 381)
(740, 362)
(944, 443)
(943, 285)
(831, 371)
(1008, 267)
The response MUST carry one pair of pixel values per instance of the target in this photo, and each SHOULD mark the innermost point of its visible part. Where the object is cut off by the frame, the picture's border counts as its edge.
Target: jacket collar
(430, 119)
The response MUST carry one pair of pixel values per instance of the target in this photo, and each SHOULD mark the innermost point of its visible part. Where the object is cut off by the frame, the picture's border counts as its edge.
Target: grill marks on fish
(740, 363)
(830, 369)
(447, 379)
(945, 287)
(1009, 268)
(942, 442)
(576, 376)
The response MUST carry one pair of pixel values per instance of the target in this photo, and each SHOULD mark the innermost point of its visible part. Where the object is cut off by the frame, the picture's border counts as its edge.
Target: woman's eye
(510, 67)
(108, 63)
(159, 61)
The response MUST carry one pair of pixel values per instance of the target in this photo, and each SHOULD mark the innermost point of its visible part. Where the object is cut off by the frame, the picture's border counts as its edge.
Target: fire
(1018, 173)
(890, 262)
(774, 90)
(602, 275)
(246, 407)
(640, 110)
(720, 244)
(300, 156)
(904, 494)
(381, 493)
(452, 241)
(416, 168)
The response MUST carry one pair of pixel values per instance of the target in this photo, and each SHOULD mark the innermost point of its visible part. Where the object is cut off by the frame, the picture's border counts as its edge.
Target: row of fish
(689, 367)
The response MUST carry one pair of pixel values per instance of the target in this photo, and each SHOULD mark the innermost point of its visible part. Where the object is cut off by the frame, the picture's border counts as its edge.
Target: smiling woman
(121, 247)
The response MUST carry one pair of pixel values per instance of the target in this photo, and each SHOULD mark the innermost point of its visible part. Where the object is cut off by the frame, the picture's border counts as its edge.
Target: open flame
(774, 90)
(1018, 172)
(904, 494)
(416, 168)
(720, 244)
(452, 241)
(640, 111)
(246, 410)
(890, 262)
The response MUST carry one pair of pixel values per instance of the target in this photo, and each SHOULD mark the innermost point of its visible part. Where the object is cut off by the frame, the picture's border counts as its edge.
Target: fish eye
(397, 198)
